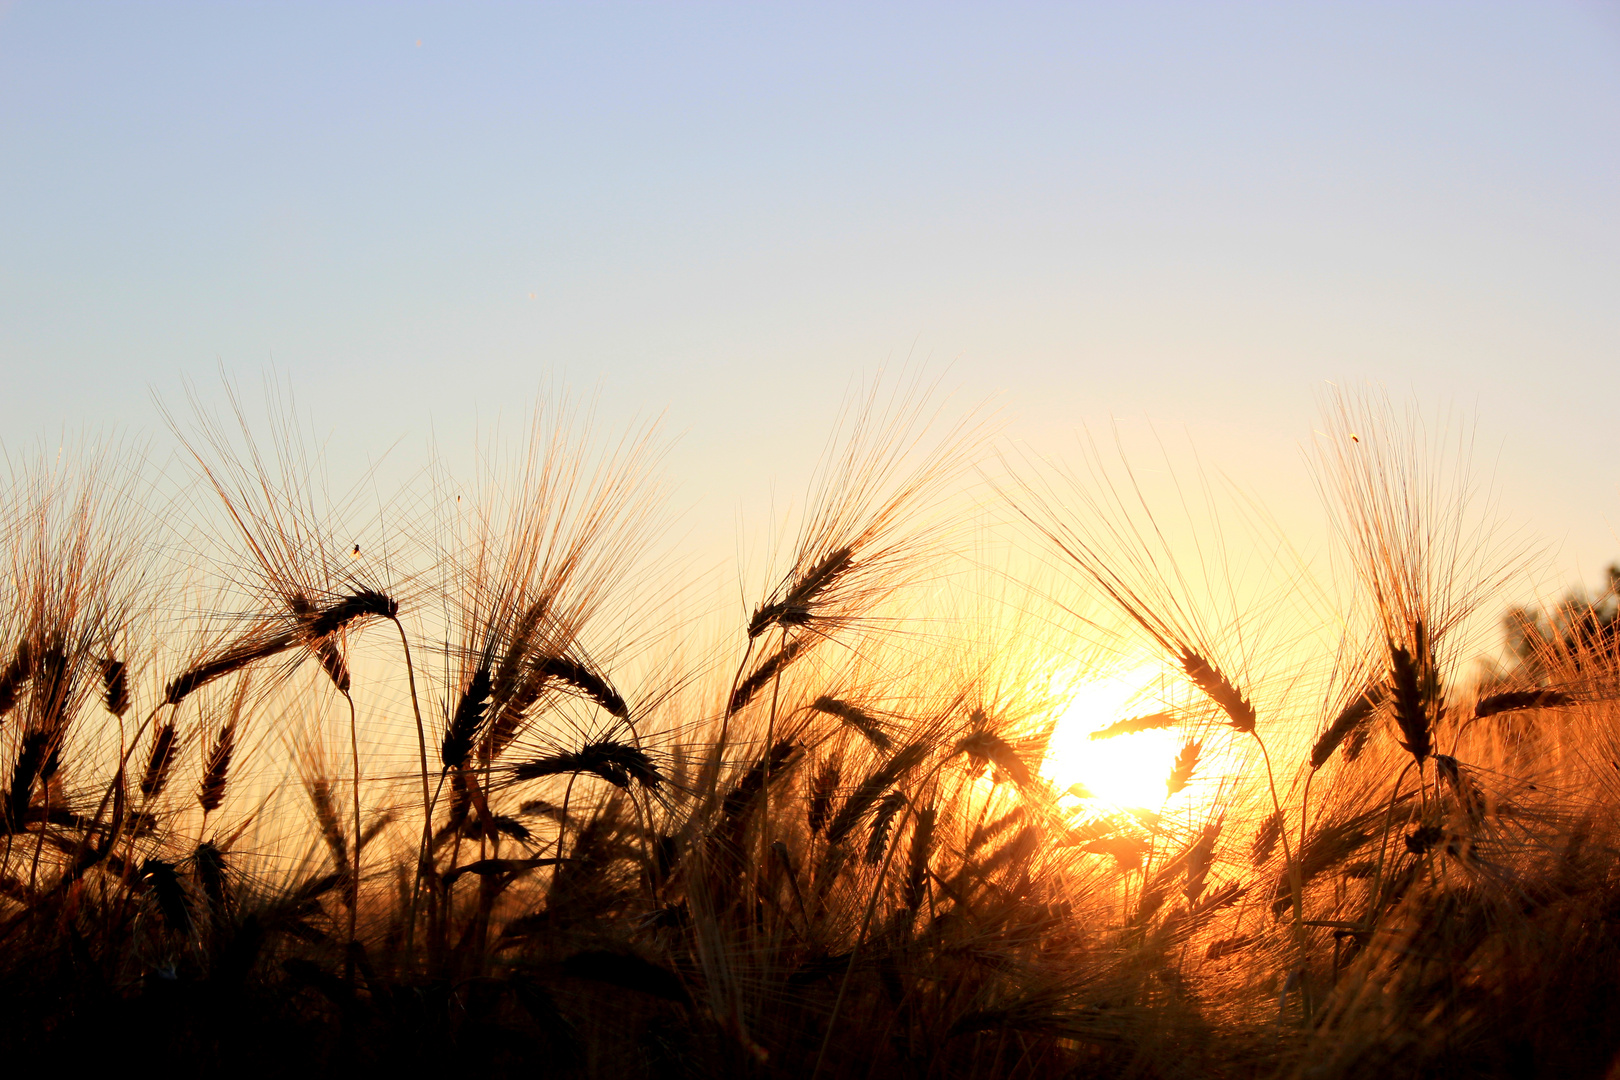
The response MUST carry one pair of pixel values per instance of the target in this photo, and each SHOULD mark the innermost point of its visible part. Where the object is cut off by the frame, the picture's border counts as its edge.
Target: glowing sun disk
(1126, 770)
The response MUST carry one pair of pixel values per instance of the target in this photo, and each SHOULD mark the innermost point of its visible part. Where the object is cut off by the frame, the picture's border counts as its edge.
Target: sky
(1190, 218)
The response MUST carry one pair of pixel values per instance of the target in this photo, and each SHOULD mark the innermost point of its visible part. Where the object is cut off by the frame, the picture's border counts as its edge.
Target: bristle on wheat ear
(1219, 689)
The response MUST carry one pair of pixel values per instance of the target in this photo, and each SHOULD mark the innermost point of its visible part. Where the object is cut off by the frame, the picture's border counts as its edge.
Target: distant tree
(1566, 637)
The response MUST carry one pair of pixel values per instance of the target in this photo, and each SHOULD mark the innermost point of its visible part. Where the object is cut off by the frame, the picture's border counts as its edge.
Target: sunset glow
(1126, 770)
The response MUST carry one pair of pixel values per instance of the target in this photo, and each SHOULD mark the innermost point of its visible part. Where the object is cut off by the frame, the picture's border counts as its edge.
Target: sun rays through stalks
(999, 768)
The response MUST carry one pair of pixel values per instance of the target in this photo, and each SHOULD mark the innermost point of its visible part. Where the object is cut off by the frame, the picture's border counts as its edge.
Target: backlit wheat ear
(853, 716)
(745, 795)
(53, 683)
(763, 674)
(518, 682)
(864, 797)
(1265, 839)
(31, 754)
(794, 608)
(115, 686)
(1126, 851)
(208, 863)
(985, 747)
(467, 721)
(1219, 689)
(1182, 771)
(1348, 722)
(237, 657)
(987, 832)
(617, 763)
(333, 664)
(922, 838)
(216, 771)
(364, 603)
(169, 893)
(315, 625)
(514, 708)
(822, 788)
(1357, 742)
(1134, 724)
(1199, 861)
(1330, 845)
(321, 645)
(1414, 692)
(882, 819)
(383, 820)
(158, 762)
(1514, 700)
(326, 816)
(511, 671)
(1468, 794)
(584, 680)
(14, 675)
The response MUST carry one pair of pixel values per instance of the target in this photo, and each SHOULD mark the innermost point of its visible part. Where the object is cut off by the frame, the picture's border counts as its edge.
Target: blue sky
(1195, 213)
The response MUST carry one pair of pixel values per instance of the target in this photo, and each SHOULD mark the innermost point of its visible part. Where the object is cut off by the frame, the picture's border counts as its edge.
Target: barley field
(1003, 767)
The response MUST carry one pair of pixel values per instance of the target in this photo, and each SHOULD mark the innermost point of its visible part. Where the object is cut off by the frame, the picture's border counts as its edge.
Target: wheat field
(1002, 770)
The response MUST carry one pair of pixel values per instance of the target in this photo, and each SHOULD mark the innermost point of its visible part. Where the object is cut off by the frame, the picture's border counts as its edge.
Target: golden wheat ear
(1514, 700)
(856, 718)
(823, 786)
(1149, 722)
(1347, 723)
(216, 770)
(1181, 772)
(467, 721)
(1412, 685)
(115, 686)
(1219, 689)
(15, 675)
(159, 761)
(763, 674)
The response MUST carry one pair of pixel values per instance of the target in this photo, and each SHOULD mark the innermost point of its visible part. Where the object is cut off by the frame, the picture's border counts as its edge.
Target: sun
(1126, 771)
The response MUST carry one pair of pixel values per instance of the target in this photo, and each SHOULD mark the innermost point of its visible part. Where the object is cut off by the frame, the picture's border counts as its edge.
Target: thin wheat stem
(1383, 845)
(725, 721)
(354, 887)
(770, 743)
(427, 801)
(860, 938)
(1295, 883)
(562, 828)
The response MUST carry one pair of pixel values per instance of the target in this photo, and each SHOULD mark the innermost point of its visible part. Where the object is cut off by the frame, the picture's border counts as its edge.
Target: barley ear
(1219, 689)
